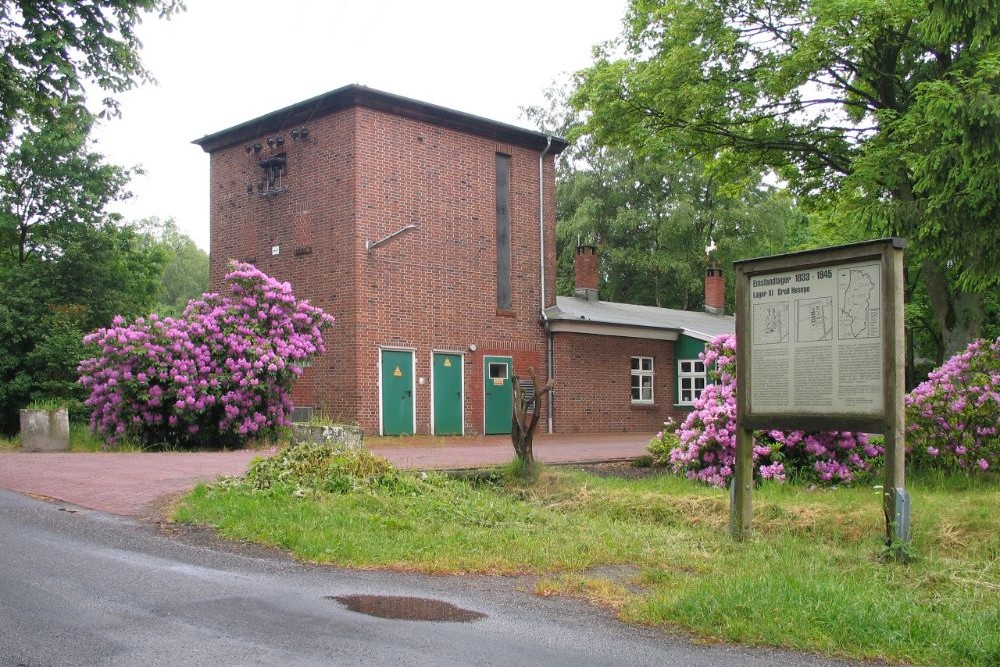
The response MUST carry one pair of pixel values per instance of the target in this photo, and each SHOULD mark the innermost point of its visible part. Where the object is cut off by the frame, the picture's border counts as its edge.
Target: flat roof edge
(361, 96)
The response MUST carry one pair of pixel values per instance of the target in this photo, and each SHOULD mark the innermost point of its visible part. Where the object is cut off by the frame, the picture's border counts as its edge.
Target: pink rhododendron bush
(707, 447)
(212, 378)
(953, 418)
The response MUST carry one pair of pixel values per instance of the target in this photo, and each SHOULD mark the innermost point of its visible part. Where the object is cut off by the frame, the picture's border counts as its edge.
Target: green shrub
(664, 442)
(328, 468)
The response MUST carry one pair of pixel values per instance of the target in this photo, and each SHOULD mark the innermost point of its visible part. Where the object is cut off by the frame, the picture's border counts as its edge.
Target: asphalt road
(79, 587)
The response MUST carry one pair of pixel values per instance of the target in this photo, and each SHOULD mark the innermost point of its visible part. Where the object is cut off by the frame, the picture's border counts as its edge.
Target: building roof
(362, 96)
(704, 326)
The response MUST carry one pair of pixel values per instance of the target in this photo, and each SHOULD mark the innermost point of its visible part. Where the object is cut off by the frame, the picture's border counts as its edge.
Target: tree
(883, 112)
(654, 217)
(654, 212)
(65, 265)
(49, 50)
(47, 305)
(524, 421)
(185, 273)
(54, 189)
(185, 277)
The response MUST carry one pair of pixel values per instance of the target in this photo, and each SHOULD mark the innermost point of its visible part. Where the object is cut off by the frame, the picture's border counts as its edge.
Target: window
(498, 371)
(642, 379)
(691, 376)
(503, 232)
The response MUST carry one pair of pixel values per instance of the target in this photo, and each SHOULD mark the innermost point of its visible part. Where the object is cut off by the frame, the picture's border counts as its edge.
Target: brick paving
(133, 484)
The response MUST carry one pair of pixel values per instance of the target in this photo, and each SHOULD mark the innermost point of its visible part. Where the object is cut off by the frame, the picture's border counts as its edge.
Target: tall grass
(657, 550)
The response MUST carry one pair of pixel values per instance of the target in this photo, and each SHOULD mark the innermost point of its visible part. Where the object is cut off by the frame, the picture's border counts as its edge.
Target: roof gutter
(541, 250)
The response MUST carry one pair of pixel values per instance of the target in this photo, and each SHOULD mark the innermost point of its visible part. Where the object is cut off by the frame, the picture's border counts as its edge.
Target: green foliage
(663, 443)
(46, 404)
(644, 461)
(82, 439)
(884, 113)
(328, 468)
(653, 211)
(519, 472)
(185, 271)
(65, 267)
(50, 50)
(47, 305)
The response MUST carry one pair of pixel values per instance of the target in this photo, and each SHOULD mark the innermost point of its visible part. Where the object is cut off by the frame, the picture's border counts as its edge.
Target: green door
(499, 394)
(447, 394)
(397, 392)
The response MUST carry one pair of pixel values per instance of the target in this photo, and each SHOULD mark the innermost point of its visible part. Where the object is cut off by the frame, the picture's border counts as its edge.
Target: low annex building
(622, 367)
(429, 234)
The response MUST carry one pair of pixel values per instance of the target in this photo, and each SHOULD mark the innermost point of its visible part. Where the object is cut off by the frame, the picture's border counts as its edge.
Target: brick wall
(715, 291)
(593, 381)
(361, 175)
(312, 224)
(434, 287)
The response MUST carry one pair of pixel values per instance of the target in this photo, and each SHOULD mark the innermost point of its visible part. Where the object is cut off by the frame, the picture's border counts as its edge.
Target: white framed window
(691, 378)
(642, 379)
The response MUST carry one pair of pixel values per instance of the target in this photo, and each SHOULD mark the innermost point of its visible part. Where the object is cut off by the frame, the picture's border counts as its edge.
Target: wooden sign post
(820, 347)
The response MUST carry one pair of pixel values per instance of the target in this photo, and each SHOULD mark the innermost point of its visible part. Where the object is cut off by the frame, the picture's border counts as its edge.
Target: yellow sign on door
(447, 363)
(398, 373)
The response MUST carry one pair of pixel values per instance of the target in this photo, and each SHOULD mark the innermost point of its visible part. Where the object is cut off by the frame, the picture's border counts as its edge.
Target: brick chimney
(586, 272)
(715, 291)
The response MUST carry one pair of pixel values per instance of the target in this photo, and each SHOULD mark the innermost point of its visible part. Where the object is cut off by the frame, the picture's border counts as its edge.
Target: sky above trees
(226, 61)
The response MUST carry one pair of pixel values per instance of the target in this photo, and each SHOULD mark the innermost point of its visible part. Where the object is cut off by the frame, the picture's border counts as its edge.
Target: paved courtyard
(132, 484)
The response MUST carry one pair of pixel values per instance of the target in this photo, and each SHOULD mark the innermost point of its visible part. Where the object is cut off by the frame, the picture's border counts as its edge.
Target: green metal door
(447, 394)
(499, 394)
(397, 392)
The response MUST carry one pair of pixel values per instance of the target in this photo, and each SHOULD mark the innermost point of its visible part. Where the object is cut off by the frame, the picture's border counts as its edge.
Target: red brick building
(430, 235)
(622, 367)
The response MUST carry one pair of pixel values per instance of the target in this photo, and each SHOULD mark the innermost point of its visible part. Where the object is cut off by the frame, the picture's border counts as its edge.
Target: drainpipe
(541, 245)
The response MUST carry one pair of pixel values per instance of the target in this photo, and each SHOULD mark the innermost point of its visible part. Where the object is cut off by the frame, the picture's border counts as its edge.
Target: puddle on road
(407, 608)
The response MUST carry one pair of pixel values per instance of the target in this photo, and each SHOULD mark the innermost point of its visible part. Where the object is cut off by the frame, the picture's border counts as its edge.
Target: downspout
(541, 245)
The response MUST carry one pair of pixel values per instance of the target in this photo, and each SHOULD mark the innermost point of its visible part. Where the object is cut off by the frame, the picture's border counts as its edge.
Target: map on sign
(815, 320)
(858, 302)
(815, 338)
(771, 321)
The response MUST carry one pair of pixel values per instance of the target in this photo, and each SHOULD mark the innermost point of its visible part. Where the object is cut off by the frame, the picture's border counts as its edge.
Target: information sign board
(820, 348)
(816, 338)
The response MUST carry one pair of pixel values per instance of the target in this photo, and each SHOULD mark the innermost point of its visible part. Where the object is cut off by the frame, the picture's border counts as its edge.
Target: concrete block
(349, 436)
(45, 430)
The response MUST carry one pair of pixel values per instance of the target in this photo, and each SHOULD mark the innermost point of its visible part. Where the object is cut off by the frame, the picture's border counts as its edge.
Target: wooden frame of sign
(821, 348)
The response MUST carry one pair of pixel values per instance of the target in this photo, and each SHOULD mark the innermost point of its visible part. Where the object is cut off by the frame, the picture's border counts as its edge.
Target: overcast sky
(226, 61)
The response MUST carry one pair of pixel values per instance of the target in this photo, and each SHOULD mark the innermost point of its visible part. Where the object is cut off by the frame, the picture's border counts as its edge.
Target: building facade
(422, 230)
(623, 367)
(429, 234)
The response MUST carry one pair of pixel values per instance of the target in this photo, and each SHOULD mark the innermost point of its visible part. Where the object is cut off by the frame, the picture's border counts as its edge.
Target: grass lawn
(657, 550)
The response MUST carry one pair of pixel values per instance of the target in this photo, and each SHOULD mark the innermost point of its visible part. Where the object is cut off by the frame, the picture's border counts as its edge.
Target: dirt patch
(208, 538)
(620, 470)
